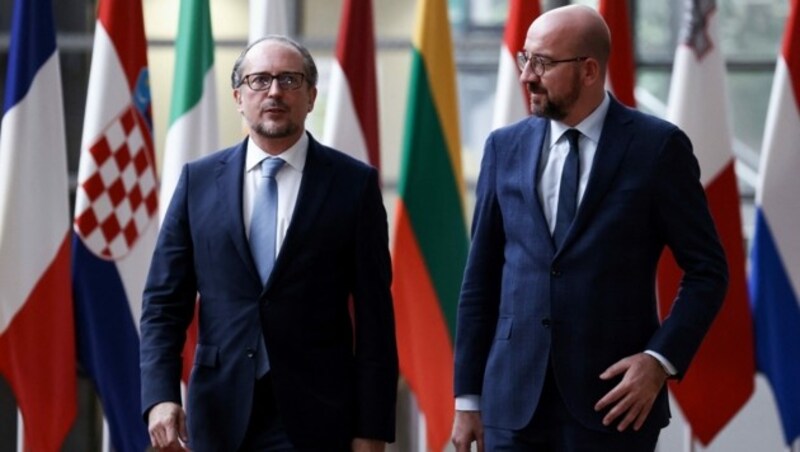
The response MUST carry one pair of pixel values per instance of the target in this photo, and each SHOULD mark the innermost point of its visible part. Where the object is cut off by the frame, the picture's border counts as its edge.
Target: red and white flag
(720, 379)
(37, 341)
(351, 118)
(511, 102)
(621, 78)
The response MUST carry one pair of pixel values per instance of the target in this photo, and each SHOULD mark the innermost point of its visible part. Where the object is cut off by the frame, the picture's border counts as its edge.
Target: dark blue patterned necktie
(568, 192)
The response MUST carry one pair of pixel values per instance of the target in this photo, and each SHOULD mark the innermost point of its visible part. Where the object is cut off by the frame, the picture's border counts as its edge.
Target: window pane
(752, 29)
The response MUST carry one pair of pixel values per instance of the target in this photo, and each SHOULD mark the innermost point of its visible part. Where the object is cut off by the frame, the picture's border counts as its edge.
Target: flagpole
(688, 445)
(20, 432)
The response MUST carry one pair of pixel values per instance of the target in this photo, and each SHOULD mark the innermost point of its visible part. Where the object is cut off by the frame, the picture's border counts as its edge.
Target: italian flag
(430, 246)
(193, 126)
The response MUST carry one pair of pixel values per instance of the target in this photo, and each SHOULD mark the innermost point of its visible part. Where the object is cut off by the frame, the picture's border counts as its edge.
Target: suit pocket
(503, 331)
(206, 355)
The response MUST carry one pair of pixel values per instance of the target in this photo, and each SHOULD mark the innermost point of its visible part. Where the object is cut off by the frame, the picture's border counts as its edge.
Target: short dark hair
(309, 67)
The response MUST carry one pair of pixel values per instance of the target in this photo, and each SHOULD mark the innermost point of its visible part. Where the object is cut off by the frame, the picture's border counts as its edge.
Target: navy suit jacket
(331, 384)
(591, 302)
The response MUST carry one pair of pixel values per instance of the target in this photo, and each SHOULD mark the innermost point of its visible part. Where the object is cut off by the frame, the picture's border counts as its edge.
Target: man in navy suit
(279, 364)
(558, 344)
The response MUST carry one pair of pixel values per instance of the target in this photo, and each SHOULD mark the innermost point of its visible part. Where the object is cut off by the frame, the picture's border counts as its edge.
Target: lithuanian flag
(430, 247)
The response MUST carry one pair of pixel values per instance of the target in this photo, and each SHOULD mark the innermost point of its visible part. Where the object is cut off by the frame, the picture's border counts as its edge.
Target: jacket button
(546, 322)
(250, 352)
(555, 272)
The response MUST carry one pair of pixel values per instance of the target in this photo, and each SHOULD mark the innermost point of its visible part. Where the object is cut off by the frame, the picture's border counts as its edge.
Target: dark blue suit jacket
(328, 388)
(592, 302)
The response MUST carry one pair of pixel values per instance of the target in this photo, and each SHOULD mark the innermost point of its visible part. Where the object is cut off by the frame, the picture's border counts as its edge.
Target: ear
(237, 99)
(592, 73)
(312, 97)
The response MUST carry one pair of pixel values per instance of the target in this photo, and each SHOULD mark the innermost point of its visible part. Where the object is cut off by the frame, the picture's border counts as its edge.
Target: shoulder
(339, 160)
(519, 129)
(646, 124)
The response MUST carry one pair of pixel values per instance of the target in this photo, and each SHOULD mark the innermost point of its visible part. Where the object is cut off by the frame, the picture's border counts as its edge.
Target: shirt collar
(294, 156)
(591, 126)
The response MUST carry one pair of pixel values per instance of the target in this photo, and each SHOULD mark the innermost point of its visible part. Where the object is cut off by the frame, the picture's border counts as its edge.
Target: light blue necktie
(263, 226)
(568, 191)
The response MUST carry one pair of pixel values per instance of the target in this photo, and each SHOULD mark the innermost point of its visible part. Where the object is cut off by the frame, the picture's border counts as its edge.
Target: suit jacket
(331, 384)
(592, 302)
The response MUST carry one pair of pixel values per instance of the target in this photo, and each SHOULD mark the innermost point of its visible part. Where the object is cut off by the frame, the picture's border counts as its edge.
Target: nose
(274, 89)
(527, 75)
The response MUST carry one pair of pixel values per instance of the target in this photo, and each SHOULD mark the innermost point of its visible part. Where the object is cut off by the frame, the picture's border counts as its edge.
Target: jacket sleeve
(688, 230)
(168, 304)
(375, 347)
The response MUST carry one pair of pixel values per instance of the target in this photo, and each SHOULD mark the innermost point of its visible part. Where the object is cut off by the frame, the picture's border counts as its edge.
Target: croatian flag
(775, 256)
(116, 211)
(37, 345)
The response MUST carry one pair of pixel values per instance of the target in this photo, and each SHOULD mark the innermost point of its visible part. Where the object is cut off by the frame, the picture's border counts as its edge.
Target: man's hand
(368, 445)
(467, 427)
(166, 424)
(633, 397)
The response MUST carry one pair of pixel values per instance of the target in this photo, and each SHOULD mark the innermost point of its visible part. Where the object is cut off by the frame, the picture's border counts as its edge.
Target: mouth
(274, 109)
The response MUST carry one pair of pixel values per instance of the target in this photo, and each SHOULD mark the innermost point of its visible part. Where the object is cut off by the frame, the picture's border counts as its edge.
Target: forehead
(274, 57)
(549, 38)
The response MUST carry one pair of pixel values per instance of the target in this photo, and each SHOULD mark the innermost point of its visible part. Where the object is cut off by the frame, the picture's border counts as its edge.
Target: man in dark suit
(558, 344)
(278, 365)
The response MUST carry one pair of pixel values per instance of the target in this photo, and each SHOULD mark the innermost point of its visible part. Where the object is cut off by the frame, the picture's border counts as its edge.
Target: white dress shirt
(288, 179)
(554, 154)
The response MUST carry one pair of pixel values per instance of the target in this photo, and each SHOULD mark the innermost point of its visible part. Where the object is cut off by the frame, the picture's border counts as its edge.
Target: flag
(775, 255)
(621, 78)
(268, 17)
(115, 226)
(511, 101)
(192, 131)
(37, 343)
(351, 119)
(721, 374)
(430, 246)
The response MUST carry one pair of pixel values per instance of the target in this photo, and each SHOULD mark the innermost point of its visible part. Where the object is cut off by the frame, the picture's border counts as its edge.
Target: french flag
(775, 255)
(116, 211)
(37, 348)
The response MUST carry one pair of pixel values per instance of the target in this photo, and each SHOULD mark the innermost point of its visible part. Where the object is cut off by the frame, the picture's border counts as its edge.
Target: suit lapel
(613, 145)
(230, 176)
(528, 154)
(317, 177)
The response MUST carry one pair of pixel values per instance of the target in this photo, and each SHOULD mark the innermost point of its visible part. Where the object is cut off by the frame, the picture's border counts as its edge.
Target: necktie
(568, 191)
(263, 226)
(264, 221)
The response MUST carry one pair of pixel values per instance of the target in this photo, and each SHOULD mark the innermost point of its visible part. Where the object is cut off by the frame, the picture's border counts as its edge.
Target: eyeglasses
(539, 64)
(262, 81)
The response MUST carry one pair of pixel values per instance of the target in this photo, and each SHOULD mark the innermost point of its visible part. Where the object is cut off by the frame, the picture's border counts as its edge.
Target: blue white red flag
(116, 211)
(37, 347)
(775, 255)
